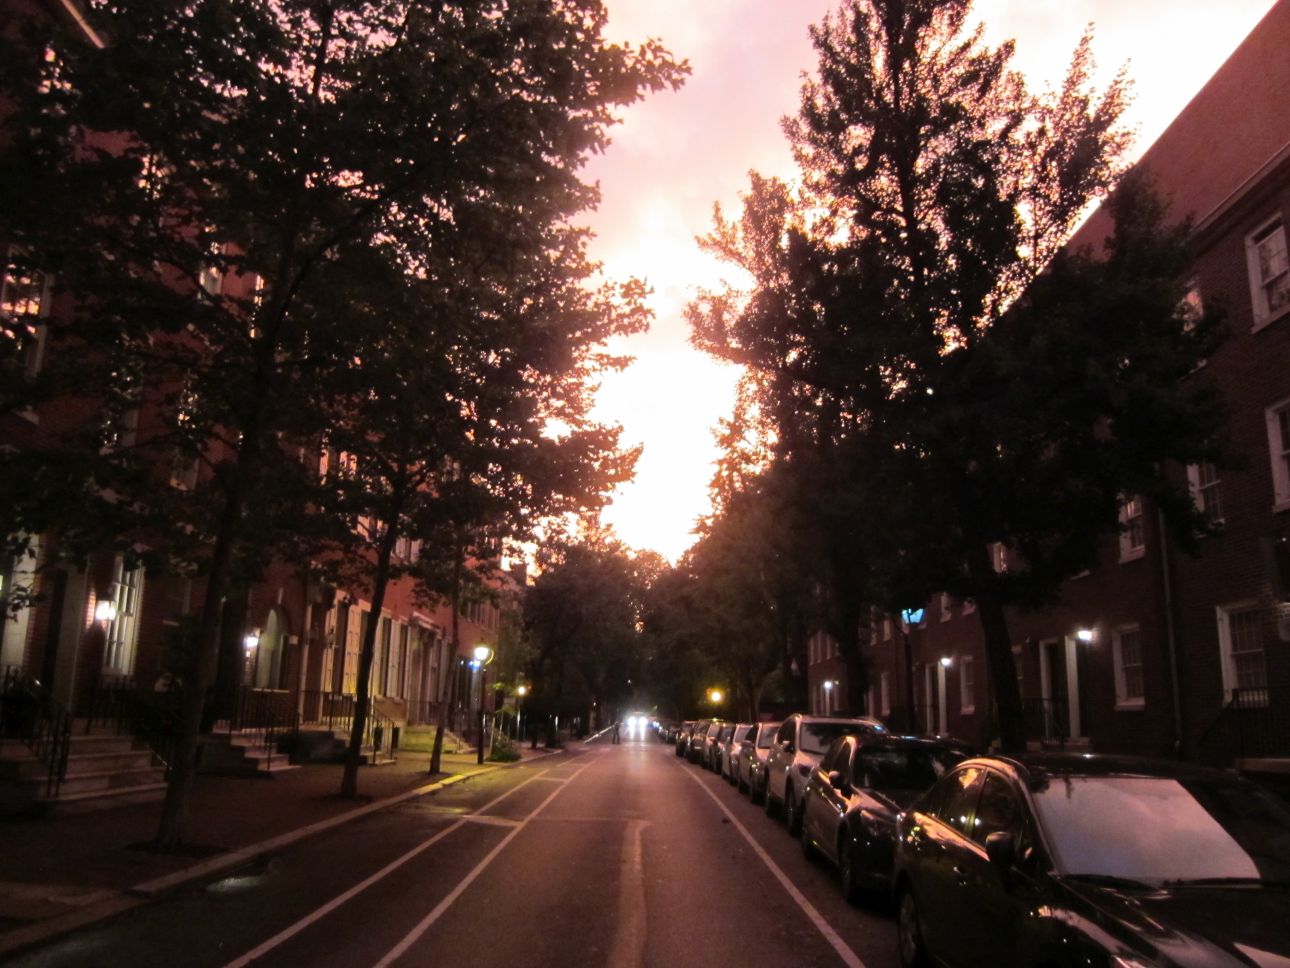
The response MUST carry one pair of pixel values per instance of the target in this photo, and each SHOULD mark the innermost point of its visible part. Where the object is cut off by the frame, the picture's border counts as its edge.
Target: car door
(781, 755)
(995, 902)
(936, 848)
(824, 804)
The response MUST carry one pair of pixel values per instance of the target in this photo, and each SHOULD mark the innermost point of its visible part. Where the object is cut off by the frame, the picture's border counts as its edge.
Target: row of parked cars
(1043, 859)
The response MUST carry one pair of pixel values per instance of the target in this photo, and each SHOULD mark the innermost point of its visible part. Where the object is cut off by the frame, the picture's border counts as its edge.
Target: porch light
(1085, 635)
(946, 661)
(715, 696)
(105, 610)
(251, 640)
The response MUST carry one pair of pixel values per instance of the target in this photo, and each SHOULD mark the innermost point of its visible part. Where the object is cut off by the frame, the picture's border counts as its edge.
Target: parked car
(753, 752)
(699, 739)
(1088, 860)
(683, 736)
(717, 739)
(853, 797)
(730, 750)
(799, 745)
(709, 745)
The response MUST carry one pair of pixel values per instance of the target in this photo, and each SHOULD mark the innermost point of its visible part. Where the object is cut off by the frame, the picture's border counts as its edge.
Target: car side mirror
(1002, 851)
(838, 781)
(788, 746)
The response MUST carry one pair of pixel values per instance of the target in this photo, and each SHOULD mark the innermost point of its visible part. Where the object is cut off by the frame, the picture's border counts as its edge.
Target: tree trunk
(353, 754)
(998, 655)
(183, 768)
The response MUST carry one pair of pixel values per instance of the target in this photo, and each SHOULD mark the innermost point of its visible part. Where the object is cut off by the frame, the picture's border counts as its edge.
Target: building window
(1269, 271)
(1278, 418)
(1206, 490)
(886, 629)
(1240, 642)
(122, 631)
(946, 607)
(967, 685)
(968, 606)
(24, 303)
(1126, 651)
(885, 683)
(999, 557)
(1133, 540)
(186, 462)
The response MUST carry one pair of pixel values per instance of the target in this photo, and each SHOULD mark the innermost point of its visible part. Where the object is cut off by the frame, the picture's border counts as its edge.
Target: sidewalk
(57, 873)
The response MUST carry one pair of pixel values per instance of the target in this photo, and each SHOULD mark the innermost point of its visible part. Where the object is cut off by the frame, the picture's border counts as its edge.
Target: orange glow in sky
(674, 155)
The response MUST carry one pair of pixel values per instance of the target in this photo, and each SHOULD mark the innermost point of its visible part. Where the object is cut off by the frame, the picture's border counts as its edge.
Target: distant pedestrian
(615, 732)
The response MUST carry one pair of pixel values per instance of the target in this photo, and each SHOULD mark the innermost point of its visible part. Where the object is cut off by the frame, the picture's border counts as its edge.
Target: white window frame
(947, 607)
(121, 636)
(1122, 699)
(999, 557)
(1206, 495)
(886, 629)
(33, 288)
(1227, 658)
(1263, 312)
(967, 684)
(967, 606)
(1279, 453)
(1129, 551)
(885, 683)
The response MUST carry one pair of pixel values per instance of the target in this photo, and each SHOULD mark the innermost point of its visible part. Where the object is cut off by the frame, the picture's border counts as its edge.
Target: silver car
(750, 776)
(730, 751)
(799, 747)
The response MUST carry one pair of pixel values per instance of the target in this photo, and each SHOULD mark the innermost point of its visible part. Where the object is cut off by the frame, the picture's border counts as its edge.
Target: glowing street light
(482, 655)
(715, 696)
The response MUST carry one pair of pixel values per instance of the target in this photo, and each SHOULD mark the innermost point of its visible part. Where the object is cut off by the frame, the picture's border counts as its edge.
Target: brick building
(1156, 651)
(289, 653)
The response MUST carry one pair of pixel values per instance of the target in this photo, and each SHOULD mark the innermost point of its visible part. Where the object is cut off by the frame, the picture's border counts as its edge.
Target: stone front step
(102, 771)
(90, 800)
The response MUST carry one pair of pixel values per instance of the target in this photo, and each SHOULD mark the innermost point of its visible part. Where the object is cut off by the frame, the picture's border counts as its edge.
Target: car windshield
(766, 738)
(816, 737)
(1164, 829)
(902, 769)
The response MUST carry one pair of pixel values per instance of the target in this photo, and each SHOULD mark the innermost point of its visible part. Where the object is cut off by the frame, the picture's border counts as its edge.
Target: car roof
(1034, 767)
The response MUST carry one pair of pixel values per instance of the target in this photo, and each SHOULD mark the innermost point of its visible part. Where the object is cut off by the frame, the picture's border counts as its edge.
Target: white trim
(1128, 550)
(967, 689)
(1223, 614)
(1262, 315)
(1122, 700)
(1279, 458)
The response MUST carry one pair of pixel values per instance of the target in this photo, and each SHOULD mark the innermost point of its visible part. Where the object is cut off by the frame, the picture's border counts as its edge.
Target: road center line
(849, 957)
(292, 930)
(428, 921)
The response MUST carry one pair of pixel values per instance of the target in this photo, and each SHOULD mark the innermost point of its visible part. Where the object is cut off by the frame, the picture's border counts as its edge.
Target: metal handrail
(29, 713)
(150, 716)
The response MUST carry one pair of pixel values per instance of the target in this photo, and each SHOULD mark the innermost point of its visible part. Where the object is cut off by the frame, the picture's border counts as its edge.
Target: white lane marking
(292, 930)
(428, 921)
(491, 821)
(849, 957)
(629, 937)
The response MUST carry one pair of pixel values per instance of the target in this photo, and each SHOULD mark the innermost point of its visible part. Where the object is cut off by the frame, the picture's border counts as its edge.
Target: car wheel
(740, 785)
(772, 808)
(909, 933)
(792, 812)
(808, 848)
(847, 870)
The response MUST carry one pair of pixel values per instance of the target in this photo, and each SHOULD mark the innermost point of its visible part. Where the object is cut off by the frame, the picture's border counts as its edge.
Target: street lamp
(521, 691)
(483, 655)
(715, 696)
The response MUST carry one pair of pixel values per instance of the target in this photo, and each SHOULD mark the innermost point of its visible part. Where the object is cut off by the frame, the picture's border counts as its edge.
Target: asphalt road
(615, 855)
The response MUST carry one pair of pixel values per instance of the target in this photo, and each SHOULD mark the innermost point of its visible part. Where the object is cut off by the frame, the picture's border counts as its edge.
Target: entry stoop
(103, 771)
(241, 753)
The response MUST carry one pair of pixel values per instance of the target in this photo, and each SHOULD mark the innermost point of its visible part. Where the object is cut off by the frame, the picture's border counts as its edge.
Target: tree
(916, 274)
(299, 144)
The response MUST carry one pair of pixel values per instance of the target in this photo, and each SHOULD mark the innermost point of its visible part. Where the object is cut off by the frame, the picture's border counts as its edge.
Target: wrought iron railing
(150, 716)
(335, 711)
(1046, 720)
(30, 714)
(1252, 723)
(270, 713)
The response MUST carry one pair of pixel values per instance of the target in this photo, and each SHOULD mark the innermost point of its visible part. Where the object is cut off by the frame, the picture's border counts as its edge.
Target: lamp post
(828, 696)
(520, 691)
(910, 617)
(483, 655)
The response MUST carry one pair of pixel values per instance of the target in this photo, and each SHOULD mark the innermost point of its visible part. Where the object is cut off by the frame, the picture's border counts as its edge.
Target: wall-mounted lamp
(251, 640)
(828, 685)
(946, 662)
(105, 610)
(1085, 635)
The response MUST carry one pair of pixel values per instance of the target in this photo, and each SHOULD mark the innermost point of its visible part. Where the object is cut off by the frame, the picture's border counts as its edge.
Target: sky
(675, 154)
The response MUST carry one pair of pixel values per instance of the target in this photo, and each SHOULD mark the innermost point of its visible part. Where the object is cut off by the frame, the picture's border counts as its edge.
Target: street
(615, 855)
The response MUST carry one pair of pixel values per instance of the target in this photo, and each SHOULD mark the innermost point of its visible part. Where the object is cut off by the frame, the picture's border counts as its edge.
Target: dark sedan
(1086, 860)
(852, 799)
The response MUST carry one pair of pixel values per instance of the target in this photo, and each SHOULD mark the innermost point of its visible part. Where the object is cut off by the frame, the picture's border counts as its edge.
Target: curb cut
(140, 894)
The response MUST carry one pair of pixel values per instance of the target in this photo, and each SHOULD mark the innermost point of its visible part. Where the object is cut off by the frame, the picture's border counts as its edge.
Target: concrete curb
(140, 894)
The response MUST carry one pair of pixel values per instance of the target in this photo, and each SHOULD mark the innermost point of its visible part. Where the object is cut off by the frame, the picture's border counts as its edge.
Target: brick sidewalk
(52, 867)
